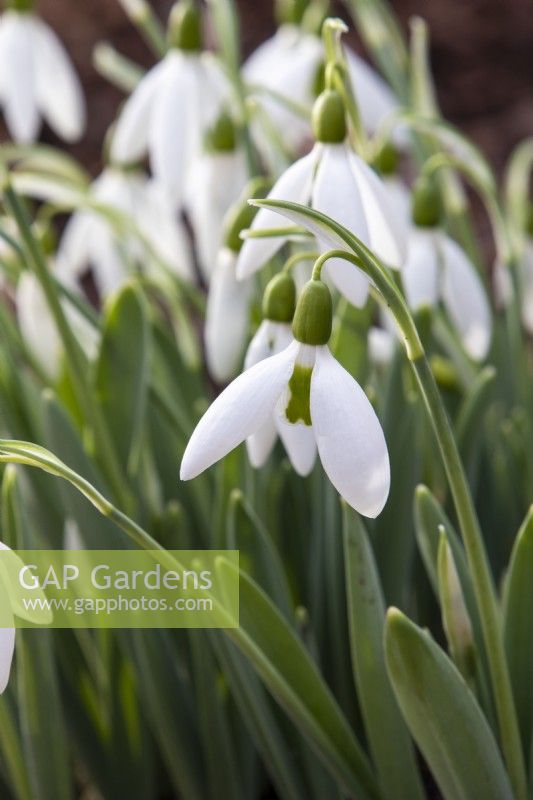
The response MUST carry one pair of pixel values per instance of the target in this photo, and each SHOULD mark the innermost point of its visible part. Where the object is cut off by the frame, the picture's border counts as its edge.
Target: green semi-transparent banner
(119, 588)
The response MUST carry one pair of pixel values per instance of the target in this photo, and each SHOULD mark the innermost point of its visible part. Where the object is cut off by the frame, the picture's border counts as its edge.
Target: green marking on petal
(298, 408)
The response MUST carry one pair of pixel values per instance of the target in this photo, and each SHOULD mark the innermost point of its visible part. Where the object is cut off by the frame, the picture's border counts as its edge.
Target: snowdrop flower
(173, 105)
(218, 177)
(90, 237)
(438, 270)
(228, 302)
(316, 404)
(289, 63)
(38, 328)
(333, 180)
(37, 78)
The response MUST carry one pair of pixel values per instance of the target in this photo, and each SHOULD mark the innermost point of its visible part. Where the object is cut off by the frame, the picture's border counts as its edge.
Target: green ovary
(298, 408)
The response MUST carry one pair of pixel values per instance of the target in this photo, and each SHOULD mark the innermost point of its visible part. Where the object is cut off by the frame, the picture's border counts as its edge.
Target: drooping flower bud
(239, 218)
(329, 118)
(314, 314)
(279, 299)
(426, 203)
(386, 161)
(290, 12)
(221, 138)
(184, 29)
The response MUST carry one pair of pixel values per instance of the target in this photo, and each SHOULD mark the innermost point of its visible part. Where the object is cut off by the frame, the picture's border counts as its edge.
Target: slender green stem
(116, 68)
(470, 529)
(298, 258)
(140, 13)
(74, 355)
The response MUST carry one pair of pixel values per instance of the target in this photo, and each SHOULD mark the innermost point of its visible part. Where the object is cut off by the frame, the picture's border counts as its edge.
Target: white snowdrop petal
(350, 440)
(227, 319)
(214, 184)
(241, 410)
(348, 279)
(36, 324)
(420, 273)
(375, 98)
(130, 136)
(76, 242)
(336, 193)
(381, 345)
(17, 66)
(295, 185)
(261, 344)
(399, 199)
(59, 91)
(260, 444)
(7, 647)
(387, 233)
(165, 231)
(172, 126)
(300, 444)
(465, 299)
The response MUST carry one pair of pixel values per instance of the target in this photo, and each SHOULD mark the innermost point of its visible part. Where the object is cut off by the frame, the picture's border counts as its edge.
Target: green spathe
(185, 26)
(279, 299)
(221, 138)
(329, 118)
(426, 203)
(239, 218)
(290, 12)
(313, 316)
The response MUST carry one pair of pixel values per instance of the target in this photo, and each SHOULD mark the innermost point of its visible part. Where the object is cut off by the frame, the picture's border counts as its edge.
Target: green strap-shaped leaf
(121, 379)
(518, 640)
(443, 715)
(288, 671)
(389, 740)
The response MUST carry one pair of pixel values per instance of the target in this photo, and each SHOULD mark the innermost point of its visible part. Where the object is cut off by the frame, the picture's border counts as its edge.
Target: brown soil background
(482, 57)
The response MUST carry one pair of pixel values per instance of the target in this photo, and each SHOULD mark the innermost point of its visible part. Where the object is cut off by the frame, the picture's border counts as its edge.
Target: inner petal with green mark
(298, 405)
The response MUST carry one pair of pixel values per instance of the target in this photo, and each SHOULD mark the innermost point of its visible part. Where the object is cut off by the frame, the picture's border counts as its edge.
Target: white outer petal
(165, 231)
(7, 647)
(387, 231)
(375, 98)
(242, 409)
(261, 443)
(59, 91)
(399, 196)
(215, 184)
(227, 318)
(381, 344)
(77, 240)
(336, 194)
(174, 124)
(130, 136)
(17, 66)
(420, 273)
(36, 324)
(465, 299)
(295, 185)
(350, 440)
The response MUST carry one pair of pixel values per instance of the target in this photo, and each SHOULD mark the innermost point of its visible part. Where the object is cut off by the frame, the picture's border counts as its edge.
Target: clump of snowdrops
(278, 252)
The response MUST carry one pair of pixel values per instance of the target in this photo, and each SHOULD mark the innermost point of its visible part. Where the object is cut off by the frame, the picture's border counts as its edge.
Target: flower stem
(140, 13)
(74, 355)
(469, 525)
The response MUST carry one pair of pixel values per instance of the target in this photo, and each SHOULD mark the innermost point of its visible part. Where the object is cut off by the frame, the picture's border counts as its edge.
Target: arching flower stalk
(37, 78)
(163, 116)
